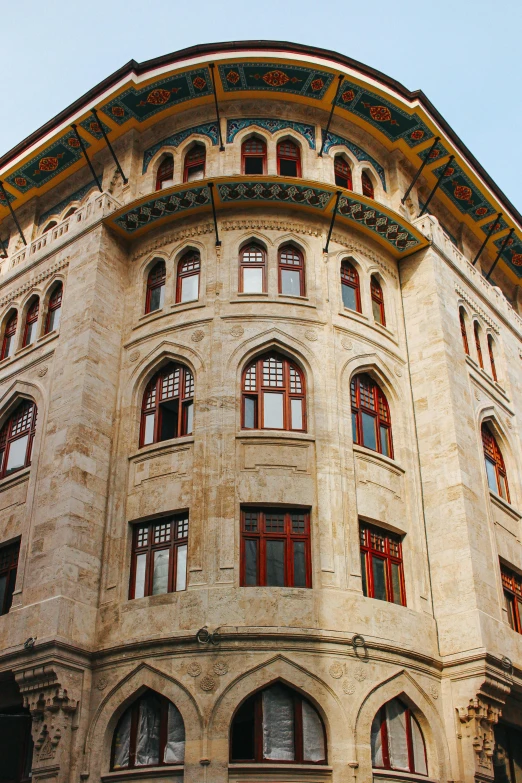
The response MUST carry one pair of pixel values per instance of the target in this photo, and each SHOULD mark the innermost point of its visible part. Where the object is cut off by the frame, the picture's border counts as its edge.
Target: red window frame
(350, 278)
(463, 330)
(290, 258)
(261, 376)
(254, 704)
(172, 382)
(275, 524)
(156, 279)
(343, 173)
(377, 301)
(288, 150)
(476, 332)
(9, 334)
(367, 397)
(8, 568)
(252, 256)
(165, 171)
(169, 533)
(379, 544)
(21, 423)
(493, 455)
(253, 147)
(55, 303)
(367, 185)
(194, 158)
(492, 358)
(31, 318)
(385, 744)
(189, 266)
(512, 586)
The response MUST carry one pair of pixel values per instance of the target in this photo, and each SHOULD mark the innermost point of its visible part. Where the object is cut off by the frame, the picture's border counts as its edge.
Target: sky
(465, 55)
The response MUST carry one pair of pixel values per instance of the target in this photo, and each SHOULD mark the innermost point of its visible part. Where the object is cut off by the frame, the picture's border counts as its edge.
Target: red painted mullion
(384, 739)
(409, 740)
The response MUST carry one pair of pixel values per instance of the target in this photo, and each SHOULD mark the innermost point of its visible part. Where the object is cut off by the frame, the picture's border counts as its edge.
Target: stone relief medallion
(434, 693)
(207, 683)
(477, 395)
(509, 424)
(398, 371)
(348, 687)
(194, 669)
(310, 335)
(197, 336)
(42, 371)
(135, 355)
(336, 671)
(220, 668)
(102, 683)
(360, 674)
(237, 331)
(347, 344)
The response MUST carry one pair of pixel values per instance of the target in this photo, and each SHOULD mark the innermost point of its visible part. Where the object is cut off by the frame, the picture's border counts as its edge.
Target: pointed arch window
(291, 271)
(252, 269)
(168, 405)
(397, 741)
(195, 160)
(8, 569)
(512, 585)
(253, 156)
(274, 396)
(165, 175)
(379, 314)
(367, 185)
(150, 733)
(16, 438)
(288, 159)
(371, 422)
(343, 173)
(187, 284)
(476, 332)
(492, 357)
(277, 725)
(54, 309)
(31, 322)
(8, 343)
(350, 286)
(495, 467)
(156, 287)
(463, 330)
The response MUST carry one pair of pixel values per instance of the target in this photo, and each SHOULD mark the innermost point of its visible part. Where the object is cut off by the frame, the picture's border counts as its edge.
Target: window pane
(139, 583)
(288, 168)
(166, 183)
(9, 346)
(396, 583)
(122, 741)
(195, 172)
(368, 431)
(275, 563)
(273, 410)
(54, 319)
(349, 297)
(253, 165)
(278, 724)
(3, 583)
(296, 409)
(376, 308)
(290, 282)
(17, 452)
(160, 576)
(376, 742)
(31, 333)
(250, 413)
(253, 281)
(379, 578)
(313, 734)
(189, 288)
(384, 441)
(397, 742)
(147, 738)
(156, 298)
(243, 732)
(175, 745)
(363, 574)
(503, 486)
(181, 572)
(250, 562)
(169, 419)
(189, 420)
(419, 756)
(299, 564)
(492, 476)
(148, 436)
(510, 606)
(354, 427)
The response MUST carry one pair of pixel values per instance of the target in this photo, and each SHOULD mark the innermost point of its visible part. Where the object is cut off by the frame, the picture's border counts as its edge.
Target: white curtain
(313, 734)
(122, 742)
(175, 747)
(397, 742)
(376, 740)
(147, 740)
(278, 724)
(419, 754)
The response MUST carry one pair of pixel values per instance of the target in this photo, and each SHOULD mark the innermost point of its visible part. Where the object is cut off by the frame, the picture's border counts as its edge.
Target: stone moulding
(34, 281)
(477, 309)
(177, 236)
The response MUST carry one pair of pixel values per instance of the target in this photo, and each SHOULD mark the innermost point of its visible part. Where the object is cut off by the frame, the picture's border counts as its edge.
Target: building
(260, 407)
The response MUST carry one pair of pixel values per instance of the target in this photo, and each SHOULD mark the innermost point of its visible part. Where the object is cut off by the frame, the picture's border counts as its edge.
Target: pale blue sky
(465, 55)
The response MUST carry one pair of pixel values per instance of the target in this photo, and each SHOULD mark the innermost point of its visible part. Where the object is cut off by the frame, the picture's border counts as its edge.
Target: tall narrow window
(495, 468)
(512, 585)
(367, 185)
(343, 173)
(288, 159)
(507, 755)
(194, 168)
(350, 287)
(277, 724)
(8, 344)
(492, 357)
(187, 284)
(253, 156)
(381, 565)
(379, 316)
(371, 423)
(16, 438)
(168, 405)
(397, 741)
(274, 395)
(159, 557)
(476, 332)
(291, 271)
(150, 733)
(156, 287)
(275, 548)
(165, 175)
(31, 321)
(252, 269)
(463, 330)
(54, 309)
(8, 567)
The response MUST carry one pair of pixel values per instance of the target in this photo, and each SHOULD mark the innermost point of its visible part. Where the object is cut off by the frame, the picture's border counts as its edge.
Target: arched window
(492, 357)
(194, 168)
(16, 438)
(165, 175)
(54, 309)
(377, 301)
(31, 321)
(288, 159)
(495, 468)
(277, 724)
(49, 226)
(397, 741)
(343, 173)
(252, 269)
(155, 287)
(150, 733)
(350, 287)
(253, 156)
(274, 395)
(371, 422)
(167, 410)
(291, 271)
(463, 330)
(71, 211)
(367, 185)
(476, 332)
(187, 283)
(8, 344)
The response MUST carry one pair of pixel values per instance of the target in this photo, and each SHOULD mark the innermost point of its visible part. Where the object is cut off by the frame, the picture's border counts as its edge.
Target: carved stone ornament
(207, 683)
(479, 718)
(102, 683)
(134, 356)
(197, 336)
(347, 344)
(34, 281)
(310, 335)
(477, 395)
(336, 670)
(434, 693)
(398, 371)
(237, 331)
(194, 669)
(42, 371)
(220, 668)
(348, 687)
(360, 674)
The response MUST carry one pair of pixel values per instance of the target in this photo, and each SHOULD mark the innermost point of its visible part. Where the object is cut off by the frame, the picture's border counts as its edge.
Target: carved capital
(479, 719)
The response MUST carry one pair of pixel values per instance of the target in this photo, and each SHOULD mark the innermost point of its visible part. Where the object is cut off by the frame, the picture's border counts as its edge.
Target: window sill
(178, 307)
(486, 377)
(504, 505)
(305, 771)
(159, 448)
(393, 775)
(302, 301)
(15, 478)
(385, 330)
(26, 349)
(378, 457)
(346, 312)
(252, 294)
(167, 771)
(271, 434)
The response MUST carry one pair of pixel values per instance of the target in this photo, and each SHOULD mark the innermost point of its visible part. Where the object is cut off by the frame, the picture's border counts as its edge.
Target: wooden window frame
(189, 266)
(351, 282)
(9, 332)
(155, 390)
(368, 188)
(282, 265)
(31, 318)
(463, 330)
(11, 432)
(261, 535)
(493, 454)
(341, 175)
(155, 279)
(190, 163)
(178, 536)
(409, 741)
(476, 332)
(246, 154)
(281, 155)
(261, 389)
(512, 587)
(163, 170)
(249, 248)
(55, 303)
(492, 358)
(390, 551)
(380, 412)
(378, 297)
(9, 554)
